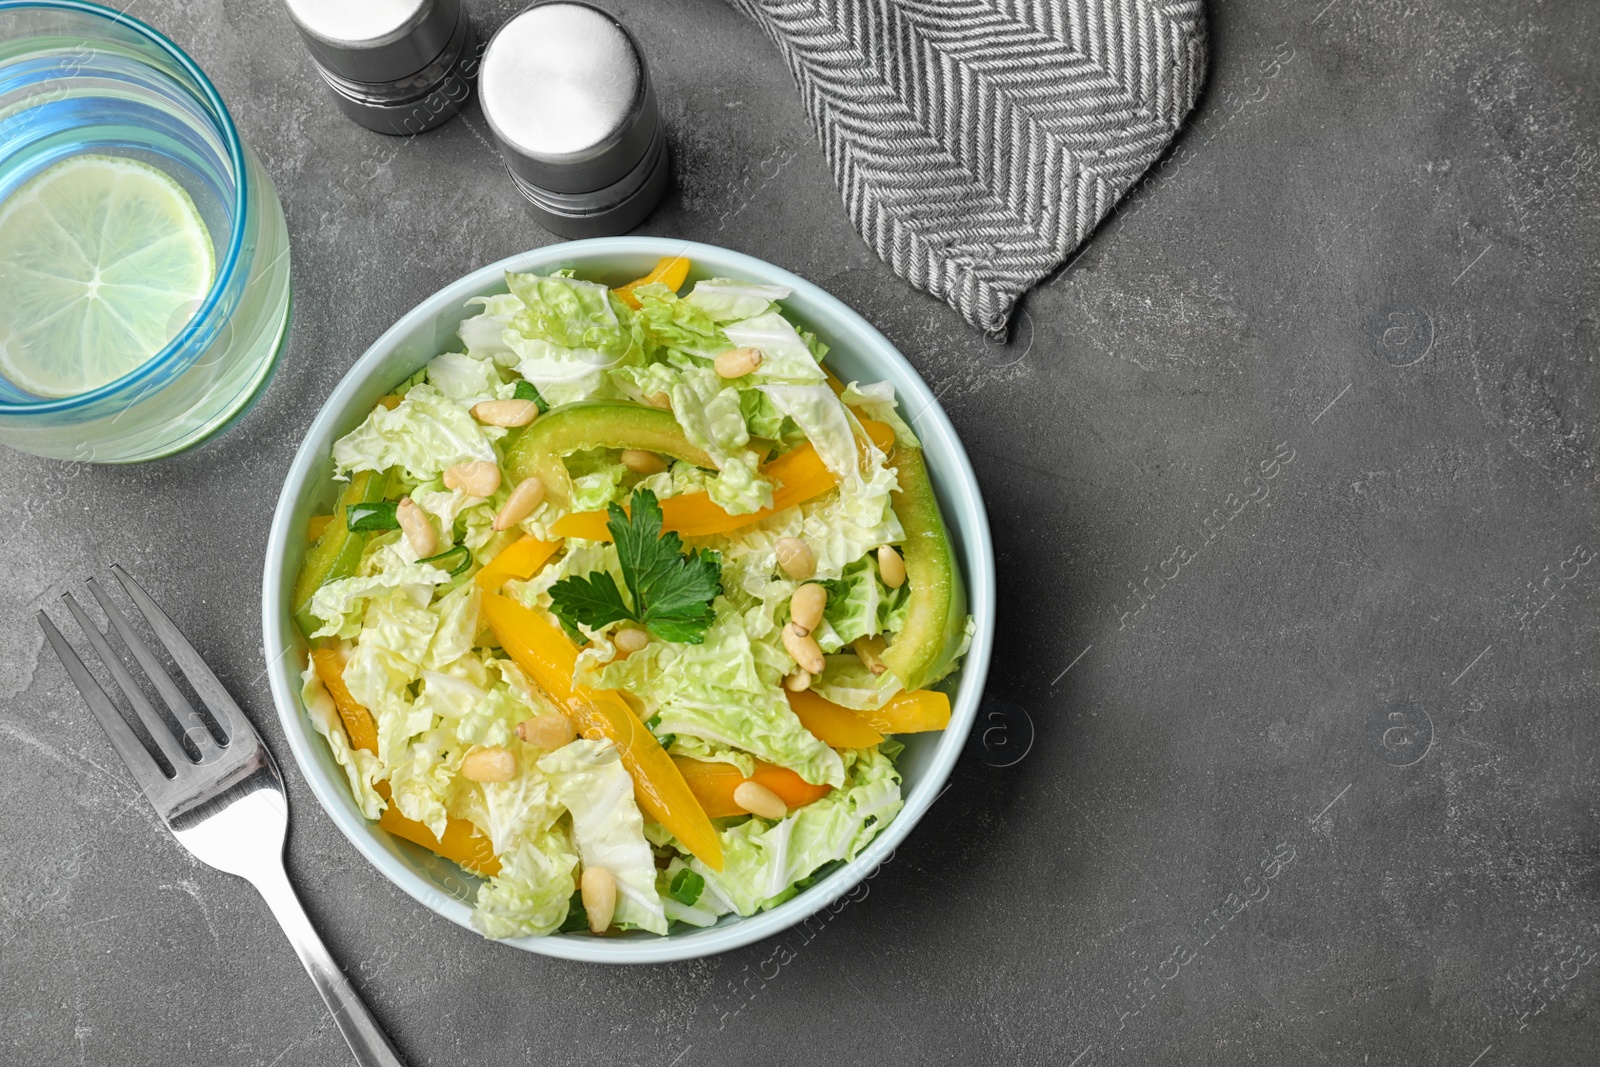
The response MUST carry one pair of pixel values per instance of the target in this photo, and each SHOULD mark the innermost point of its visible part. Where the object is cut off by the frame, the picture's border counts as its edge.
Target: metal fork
(223, 801)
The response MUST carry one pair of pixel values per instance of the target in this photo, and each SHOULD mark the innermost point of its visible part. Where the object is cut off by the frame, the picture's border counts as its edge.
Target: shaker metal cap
(565, 89)
(375, 40)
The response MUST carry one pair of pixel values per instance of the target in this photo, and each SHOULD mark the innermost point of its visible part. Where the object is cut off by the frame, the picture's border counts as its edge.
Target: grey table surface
(1328, 794)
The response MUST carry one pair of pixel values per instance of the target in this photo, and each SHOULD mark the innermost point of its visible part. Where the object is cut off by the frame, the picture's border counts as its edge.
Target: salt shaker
(565, 89)
(395, 66)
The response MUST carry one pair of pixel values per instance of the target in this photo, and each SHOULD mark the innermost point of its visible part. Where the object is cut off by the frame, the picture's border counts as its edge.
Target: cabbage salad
(622, 604)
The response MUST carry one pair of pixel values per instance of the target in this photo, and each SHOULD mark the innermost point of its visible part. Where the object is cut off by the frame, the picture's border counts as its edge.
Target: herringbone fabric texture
(978, 142)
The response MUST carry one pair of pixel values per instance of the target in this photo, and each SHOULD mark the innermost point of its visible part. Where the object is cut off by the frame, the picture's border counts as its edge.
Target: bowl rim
(976, 556)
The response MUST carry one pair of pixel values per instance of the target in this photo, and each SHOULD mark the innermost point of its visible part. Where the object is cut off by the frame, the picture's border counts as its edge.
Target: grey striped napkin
(978, 142)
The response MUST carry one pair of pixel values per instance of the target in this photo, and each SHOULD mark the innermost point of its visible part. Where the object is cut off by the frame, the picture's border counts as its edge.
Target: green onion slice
(686, 887)
(378, 515)
(455, 559)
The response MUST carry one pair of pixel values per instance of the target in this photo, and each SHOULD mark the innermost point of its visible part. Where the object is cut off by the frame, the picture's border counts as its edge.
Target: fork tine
(194, 727)
(133, 753)
(206, 685)
(160, 732)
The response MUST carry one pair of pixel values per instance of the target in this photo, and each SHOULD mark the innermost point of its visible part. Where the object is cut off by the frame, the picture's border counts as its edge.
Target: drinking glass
(76, 78)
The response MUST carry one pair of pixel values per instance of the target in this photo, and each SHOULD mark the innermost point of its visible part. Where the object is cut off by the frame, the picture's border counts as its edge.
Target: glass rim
(228, 264)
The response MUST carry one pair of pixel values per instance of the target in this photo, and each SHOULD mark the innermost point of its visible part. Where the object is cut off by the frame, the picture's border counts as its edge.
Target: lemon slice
(102, 261)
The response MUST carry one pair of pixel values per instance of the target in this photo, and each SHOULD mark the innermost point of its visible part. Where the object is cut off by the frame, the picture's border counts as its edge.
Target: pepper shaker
(567, 94)
(395, 66)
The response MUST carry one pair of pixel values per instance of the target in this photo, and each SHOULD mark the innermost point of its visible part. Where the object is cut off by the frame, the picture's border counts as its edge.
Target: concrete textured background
(1325, 795)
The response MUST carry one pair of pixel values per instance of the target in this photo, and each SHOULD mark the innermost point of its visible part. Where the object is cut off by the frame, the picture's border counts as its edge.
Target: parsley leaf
(837, 588)
(577, 918)
(526, 390)
(671, 589)
(594, 601)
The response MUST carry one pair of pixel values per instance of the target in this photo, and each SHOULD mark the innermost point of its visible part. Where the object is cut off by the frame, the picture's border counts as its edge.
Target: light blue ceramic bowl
(857, 351)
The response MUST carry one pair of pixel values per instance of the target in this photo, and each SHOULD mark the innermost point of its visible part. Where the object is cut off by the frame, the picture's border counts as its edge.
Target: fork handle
(366, 1038)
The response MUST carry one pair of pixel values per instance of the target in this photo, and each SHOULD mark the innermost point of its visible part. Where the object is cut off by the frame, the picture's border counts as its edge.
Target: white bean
(479, 477)
(757, 799)
(641, 462)
(804, 648)
(505, 412)
(418, 528)
(737, 362)
(528, 495)
(891, 568)
(599, 898)
(807, 605)
(550, 731)
(493, 764)
(795, 558)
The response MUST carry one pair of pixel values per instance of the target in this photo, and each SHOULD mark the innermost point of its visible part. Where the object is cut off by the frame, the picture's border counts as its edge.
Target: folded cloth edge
(977, 145)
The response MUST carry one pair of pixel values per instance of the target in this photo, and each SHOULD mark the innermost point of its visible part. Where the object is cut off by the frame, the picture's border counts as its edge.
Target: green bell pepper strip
(925, 648)
(537, 449)
(337, 552)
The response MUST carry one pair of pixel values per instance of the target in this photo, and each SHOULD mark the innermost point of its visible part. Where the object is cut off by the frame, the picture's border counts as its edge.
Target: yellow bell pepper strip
(670, 271)
(521, 560)
(358, 724)
(830, 723)
(713, 785)
(936, 613)
(914, 712)
(338, 549)
(538, 646)
(315, 525)
(461, 841)
(390, 401)
(799, 475)
(538, 448)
